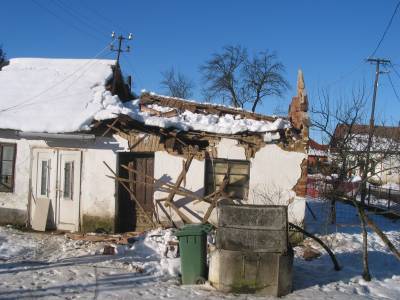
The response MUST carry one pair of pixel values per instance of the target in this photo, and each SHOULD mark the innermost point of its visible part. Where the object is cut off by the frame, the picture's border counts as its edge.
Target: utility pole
(120, 38)
(377, 62)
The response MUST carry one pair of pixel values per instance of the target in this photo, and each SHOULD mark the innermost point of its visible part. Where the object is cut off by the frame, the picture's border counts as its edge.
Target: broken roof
(54, 95)
(169, 112)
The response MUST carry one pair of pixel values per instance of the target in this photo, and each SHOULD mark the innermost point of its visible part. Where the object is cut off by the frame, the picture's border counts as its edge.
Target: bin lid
(194, 229)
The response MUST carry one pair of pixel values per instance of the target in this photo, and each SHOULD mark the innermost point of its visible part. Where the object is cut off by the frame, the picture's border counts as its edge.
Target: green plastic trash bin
(193, 252)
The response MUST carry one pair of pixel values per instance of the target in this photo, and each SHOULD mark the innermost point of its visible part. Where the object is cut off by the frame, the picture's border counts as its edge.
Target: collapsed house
(73, 137)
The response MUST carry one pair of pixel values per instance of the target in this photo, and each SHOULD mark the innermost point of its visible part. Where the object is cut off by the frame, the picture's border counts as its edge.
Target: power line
(357, 67)
(95, 36)
(77, 16)
(394, 89)
(395, 71)
(386, 29)
(64, 96)
(111, 22)
(344, 75)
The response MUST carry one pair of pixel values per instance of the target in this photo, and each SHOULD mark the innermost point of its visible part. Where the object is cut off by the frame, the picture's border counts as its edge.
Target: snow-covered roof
(54, 95)
(316, 149)
(169, 112)
(188, 115)
(67, 95)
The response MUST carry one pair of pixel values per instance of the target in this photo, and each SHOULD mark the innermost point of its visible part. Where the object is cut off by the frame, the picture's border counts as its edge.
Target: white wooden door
(56, 176)
(69, 179)
(44, 178)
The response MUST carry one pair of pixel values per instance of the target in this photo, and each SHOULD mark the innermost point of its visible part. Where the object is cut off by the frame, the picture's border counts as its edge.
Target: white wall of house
(97, 190)
(273, 174)
(13, 206)
(386, 171)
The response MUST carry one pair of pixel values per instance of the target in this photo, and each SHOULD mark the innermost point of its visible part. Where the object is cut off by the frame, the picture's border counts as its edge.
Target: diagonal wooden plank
(215, 199)
(131, 194)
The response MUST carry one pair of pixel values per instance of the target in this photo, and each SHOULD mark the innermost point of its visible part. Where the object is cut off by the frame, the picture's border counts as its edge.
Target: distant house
(63, 122)
(318, 157)
(385, 144)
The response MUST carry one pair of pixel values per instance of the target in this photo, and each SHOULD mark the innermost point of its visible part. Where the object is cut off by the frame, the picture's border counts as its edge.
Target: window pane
(238, 179)
(6, 167)
(44, 175)
(8, 152)
(6, 181)
(238, 184)
(238, 168)
(6, 184)
(68, 179)
(7, 158)
(220, 168)
(236, 192)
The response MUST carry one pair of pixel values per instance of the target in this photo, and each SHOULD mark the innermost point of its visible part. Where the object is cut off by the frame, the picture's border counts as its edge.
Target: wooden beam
(215, 199)
(181, 176)
(170, 203)
(110, 127)
(172, 186)
(158, 202)
(165, 189)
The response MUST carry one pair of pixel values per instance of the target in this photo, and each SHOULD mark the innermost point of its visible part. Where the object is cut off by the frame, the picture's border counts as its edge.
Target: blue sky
(327, 39)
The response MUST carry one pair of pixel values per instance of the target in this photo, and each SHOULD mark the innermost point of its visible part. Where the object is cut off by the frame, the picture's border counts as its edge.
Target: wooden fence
(388, 199)
(384, 199)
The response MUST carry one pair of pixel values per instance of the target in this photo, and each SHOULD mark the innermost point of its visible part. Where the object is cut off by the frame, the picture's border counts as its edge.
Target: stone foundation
(97, 224)
(13, 216)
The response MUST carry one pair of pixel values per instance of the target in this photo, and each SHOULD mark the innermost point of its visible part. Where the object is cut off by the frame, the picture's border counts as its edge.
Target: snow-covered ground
(53, 267)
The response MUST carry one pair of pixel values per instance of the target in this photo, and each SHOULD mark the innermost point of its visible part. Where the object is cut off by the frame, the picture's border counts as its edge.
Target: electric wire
(344, 75)
(72, 25)
(393, 87)
(357, 67)
(77, 16)
(111, 22)
(386, 29)
(61, 96)
(395, 71)
(29, 100)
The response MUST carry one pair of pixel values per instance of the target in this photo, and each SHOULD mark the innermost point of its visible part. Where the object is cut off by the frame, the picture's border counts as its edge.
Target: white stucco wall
(18, 200)
(168, 167)
(97, 191)
(273, 174)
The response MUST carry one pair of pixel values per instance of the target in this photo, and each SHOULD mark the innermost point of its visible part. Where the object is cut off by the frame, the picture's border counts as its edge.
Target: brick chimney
(298, 116)
(298, 109)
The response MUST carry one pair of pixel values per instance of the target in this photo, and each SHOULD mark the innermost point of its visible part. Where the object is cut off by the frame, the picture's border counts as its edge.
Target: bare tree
(339, 123)
(176, 84)
(263, 77)
(241, 80)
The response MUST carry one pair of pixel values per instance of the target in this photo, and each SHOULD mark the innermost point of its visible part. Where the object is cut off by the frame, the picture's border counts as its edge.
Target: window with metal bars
(238, 172)
(7, 165)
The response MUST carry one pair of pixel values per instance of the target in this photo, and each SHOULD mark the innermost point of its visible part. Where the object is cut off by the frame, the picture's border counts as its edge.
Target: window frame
(209, 162)
(14, 145)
